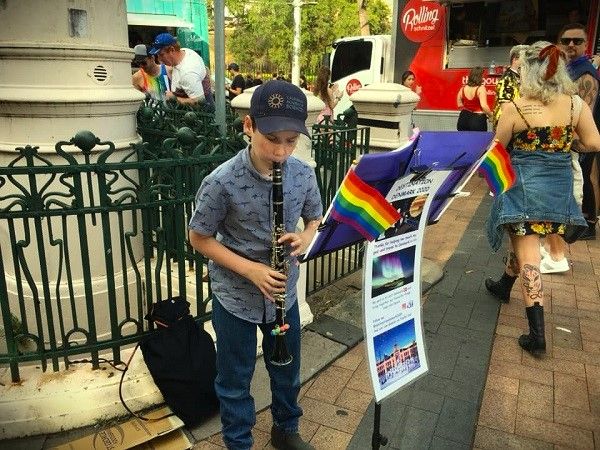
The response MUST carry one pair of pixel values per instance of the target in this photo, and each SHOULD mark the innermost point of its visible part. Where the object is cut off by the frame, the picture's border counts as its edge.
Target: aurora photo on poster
(392, 270)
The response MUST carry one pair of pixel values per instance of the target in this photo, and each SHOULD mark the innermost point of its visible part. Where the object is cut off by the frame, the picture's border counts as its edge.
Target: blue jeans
(236, 359)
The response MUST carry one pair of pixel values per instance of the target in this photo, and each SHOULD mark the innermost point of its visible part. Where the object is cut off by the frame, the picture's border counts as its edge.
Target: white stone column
(66, 67)
(386, 108)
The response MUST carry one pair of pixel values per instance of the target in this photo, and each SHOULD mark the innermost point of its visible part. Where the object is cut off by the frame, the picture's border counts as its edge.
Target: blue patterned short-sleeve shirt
(234, 203)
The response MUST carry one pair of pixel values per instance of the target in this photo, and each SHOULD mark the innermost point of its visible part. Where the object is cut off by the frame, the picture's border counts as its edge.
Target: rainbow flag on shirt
(363, 207)
(497, 169)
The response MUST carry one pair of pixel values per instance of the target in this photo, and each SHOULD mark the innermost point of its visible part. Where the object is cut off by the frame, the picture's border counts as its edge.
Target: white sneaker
(548, 265)
(543, 252)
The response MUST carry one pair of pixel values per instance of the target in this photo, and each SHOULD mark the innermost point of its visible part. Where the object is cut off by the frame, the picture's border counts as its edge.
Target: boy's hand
(296, 241)
(266, 279)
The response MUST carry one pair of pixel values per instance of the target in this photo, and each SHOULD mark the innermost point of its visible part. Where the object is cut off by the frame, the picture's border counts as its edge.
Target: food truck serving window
(482, 33)
(351, 57)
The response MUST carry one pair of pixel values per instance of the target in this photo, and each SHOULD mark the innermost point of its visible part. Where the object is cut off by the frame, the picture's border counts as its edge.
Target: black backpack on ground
(181, 358)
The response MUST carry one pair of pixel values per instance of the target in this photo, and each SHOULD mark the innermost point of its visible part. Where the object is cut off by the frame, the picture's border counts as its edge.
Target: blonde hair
(534, 71)
(515, 52)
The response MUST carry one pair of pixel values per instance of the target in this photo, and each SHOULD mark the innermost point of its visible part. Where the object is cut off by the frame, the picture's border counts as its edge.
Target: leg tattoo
(532, 283)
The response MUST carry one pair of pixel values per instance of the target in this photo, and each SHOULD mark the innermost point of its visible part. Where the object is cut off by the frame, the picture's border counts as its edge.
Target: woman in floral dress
(538, 130)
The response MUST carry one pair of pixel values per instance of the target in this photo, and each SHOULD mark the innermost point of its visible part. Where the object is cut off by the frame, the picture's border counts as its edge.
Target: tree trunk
(363, 18)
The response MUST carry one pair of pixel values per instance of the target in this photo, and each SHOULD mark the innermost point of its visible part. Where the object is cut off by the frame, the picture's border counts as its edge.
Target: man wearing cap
(238, 84)
(188, 69)
(152, 79)
(232, 227)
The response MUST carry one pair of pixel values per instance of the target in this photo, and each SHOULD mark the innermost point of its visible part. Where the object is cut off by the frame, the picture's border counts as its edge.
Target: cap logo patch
(275, 101)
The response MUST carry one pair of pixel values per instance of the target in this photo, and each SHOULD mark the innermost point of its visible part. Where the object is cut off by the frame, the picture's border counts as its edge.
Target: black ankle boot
(590, 233)
(535, 341)
(501, 288)
(288, 441)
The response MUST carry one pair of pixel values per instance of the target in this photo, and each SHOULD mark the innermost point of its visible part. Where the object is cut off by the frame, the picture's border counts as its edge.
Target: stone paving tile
(590, 330)
(330, 439)
(536, 400)
(498, 410)
(571, 391)
(593, 380)
(488, 438)
(354, 400)
(521, 372)
(417, 429)
(329, 384)
(502, 384)
(577, 355)
(577, 418)
(361, 380)
(330, 415)
(554, 364)
(506, 349)
(440, 443)
(555, 433)
(510, 331)
(456, 420)
(352, 359)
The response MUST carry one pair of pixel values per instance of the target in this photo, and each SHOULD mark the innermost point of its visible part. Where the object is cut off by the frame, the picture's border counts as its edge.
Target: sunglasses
(567, 41)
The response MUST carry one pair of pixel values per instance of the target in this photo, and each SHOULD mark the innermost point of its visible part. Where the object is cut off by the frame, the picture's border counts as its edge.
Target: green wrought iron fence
(334, 147)
(90, 237)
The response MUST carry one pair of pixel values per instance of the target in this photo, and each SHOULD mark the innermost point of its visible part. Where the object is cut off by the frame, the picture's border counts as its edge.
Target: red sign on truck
(420, 19)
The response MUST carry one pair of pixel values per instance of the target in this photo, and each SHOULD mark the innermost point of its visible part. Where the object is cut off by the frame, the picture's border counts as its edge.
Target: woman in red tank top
(472, 100)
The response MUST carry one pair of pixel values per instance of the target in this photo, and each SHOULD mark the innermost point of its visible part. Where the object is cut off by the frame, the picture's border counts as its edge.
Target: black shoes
(589, 234)
(288, 441)
(501, 288)
(535, 341)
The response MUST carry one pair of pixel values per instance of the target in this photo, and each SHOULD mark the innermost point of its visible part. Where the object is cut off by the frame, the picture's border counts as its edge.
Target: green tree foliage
(263, 35)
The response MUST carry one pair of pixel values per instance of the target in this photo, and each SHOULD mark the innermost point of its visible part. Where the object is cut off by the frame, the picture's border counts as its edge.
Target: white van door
(357, 62)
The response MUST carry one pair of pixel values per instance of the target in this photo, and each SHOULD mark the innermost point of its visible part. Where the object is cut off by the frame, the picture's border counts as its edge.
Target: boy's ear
(248, 126)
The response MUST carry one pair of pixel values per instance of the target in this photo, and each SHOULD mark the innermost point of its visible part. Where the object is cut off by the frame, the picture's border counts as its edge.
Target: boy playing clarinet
(232, 227)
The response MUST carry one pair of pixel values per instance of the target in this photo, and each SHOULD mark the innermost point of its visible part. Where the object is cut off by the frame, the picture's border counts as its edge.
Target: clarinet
(281, 356)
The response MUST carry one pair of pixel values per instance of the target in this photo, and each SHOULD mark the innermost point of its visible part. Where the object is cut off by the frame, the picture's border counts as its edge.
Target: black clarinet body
(281, 356)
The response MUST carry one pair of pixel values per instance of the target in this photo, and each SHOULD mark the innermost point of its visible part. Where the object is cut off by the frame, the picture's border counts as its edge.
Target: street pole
(296, 58)
(220, 66)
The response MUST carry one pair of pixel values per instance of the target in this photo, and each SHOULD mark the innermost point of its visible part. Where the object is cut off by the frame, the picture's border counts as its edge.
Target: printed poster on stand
(392, 288)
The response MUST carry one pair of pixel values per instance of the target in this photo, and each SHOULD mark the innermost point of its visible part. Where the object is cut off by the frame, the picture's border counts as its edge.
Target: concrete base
(51, 402)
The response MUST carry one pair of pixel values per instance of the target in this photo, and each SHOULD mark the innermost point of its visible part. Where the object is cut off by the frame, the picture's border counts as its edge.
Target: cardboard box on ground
(164, 434)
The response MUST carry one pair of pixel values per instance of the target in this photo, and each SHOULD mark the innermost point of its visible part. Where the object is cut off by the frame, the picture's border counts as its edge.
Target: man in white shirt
(188, 69)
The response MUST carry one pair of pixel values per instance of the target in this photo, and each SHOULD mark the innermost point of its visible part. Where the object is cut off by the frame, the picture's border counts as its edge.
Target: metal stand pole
(378, 439)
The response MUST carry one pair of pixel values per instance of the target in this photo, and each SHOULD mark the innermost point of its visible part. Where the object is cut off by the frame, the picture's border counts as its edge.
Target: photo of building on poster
(410, 210)
(397, 353)
(392, 270)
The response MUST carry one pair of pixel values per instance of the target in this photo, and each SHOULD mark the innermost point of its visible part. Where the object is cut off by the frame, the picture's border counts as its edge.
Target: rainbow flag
(497, 169)
(363, 207)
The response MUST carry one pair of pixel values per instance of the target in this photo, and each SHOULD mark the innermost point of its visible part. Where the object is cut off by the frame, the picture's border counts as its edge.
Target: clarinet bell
(281, 356)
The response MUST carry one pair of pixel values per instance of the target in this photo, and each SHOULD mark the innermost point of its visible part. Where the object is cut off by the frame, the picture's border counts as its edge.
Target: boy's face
(274, 147)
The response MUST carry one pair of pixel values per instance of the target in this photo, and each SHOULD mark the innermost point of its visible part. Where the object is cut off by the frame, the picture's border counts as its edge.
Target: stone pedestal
(386, 108)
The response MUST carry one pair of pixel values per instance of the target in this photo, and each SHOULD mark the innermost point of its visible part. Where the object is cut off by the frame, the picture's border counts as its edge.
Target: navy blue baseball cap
(161, 41)
(279, 106)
